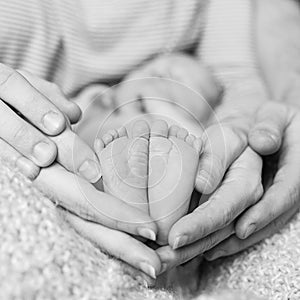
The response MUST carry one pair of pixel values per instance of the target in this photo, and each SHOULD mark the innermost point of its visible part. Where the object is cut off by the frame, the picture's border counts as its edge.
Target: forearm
(278, 44)
(228, 49)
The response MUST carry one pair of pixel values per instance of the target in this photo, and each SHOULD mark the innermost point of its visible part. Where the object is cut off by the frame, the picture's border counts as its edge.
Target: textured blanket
(42, 257)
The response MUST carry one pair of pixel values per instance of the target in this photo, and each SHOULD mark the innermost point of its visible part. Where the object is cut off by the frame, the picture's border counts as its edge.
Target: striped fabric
(78, 42)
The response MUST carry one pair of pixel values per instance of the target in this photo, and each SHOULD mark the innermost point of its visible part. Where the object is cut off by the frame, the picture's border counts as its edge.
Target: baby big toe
(159, 129)
(140, 129)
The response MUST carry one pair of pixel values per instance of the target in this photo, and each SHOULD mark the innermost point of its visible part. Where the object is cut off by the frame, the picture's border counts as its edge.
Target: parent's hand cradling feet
(276, 136)
(34, 127)
(103, 219)
(213, 221)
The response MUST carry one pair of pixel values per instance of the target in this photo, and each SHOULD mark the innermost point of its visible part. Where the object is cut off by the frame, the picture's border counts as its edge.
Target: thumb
(265, 137)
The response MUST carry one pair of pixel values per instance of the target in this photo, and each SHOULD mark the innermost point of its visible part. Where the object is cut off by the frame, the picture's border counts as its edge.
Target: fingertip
(209, 256)
(75, 113)
(147, 233)
(178, 237)
(204, 183)
(54, 122)
(28, 168)
(44, 153)
(264, 141)
(244, 230)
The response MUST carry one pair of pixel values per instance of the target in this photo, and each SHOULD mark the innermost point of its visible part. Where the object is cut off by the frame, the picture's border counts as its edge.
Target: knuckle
(209, 243)
(228, 215)
(19, 133)
(235, 134)
(81, 209)
(255, 187)
(278, 224)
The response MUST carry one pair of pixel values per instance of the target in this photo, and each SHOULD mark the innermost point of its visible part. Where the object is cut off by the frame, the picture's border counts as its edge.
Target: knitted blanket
(42, 257)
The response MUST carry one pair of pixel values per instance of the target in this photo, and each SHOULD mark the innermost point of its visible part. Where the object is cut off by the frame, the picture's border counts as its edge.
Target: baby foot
(124, 163)
(173, 163)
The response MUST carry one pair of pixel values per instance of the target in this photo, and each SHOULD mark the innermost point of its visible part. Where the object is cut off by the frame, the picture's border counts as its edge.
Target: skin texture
(226, 165)
(42, 134)
(176, 86)
(281, 199)
(151, 168)
(276, 126)
(103, 219)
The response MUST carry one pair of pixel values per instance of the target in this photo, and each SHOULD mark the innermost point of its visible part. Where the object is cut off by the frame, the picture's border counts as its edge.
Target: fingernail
(214, 255)
(148, 269)
(142, 281)
(147, 233)
(180, 241)
(43, 153)
(27, 167)
(251, 228)
(203, 176)
(90, 171)
(53, 122)
(163, 269)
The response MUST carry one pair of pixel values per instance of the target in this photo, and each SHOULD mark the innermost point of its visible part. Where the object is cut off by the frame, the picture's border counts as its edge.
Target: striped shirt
(78, 42)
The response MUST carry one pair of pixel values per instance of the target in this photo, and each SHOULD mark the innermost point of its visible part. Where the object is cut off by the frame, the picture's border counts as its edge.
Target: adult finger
(266, 135)
(119, 245)
(171, 258)
(223, 143)
(34, 106)
(26, 166)
(83, 199)
(234, 245)
(76, 156)
(284, 193)
(55, 95)
(240, 189)
(25, 138)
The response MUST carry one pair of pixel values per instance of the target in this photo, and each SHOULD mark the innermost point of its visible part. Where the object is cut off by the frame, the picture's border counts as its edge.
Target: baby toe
(107, 138)
(198, 144)
(159, 128)
(190, 139)
(122, 131)
(173, 130)
(140, 128)
(182, 133)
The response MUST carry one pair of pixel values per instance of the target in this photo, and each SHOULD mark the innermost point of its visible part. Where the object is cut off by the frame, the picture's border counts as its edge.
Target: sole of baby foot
(173, 163)
(124, 163)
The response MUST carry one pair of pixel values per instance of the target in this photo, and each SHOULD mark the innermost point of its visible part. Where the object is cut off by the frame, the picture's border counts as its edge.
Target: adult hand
(34, 130)
(176, 86)
(229, 170)
(105, 220)
(213, 221)
(276, 136)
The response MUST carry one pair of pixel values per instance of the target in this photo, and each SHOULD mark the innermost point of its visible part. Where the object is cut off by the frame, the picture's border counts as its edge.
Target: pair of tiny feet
(152, 168)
